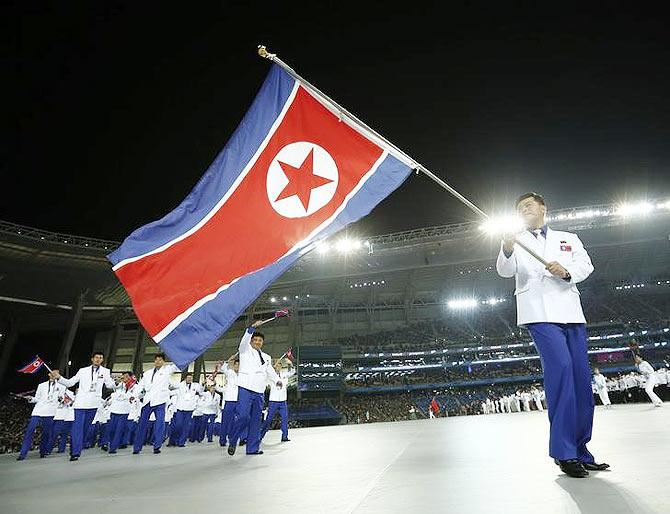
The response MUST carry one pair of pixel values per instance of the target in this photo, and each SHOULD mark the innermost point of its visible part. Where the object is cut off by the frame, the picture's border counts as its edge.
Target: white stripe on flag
(228, 194)
(305, 246)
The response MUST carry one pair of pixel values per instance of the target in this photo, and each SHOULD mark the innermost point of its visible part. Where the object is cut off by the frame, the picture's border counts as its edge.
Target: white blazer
(229, 391)
(541, 296)
(187, 397)
(254, 373)
(90, 386)
(279, 394)
(122, 399)
(46, 399)
(156, 384)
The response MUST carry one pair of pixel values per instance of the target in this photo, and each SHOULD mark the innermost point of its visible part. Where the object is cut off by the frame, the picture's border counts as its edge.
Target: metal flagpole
(375, 136)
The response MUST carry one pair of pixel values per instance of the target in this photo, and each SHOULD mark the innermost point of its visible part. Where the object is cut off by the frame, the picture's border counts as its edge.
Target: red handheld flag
(33, 366)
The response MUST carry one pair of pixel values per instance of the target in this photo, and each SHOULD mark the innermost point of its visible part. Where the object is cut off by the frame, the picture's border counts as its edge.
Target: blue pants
(208, 427)
(567, 384)
(227, 420)
(181, 423)
(45, 441)
(249, 408)
(117, 426)
(105, 435)
(131, 432)
(273, 408)
(196, 423)
(142, 428)
(61, 430)
(81, 427)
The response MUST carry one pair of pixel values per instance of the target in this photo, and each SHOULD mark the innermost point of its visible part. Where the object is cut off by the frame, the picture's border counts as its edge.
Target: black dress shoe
(42, 455)
(259, 452)
(592, 466)
(243, 442)
(104, 448)
(231, 450)
(20, 458)
(157, 451)
(123, 446)
(74, 458)
(573, 468)
(136, 452)
(285, 440)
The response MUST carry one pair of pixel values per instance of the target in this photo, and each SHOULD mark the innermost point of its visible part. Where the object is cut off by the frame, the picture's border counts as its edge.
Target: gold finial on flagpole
(262, 51)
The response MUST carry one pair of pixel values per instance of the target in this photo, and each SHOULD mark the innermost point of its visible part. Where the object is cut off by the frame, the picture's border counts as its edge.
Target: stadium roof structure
(53, 270)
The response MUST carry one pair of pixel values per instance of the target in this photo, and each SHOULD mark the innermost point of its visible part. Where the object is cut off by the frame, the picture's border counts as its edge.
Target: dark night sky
(115, 111)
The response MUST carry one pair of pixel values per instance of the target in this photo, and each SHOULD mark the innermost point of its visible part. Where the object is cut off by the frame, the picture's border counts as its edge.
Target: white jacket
(156, 384)
(122, 399)
(65, 409)
(541, 296)
(255, 370)
(278, 394)
(187, 397)
(210, 403)
(90, 386)
(229, 391)
(46, 398)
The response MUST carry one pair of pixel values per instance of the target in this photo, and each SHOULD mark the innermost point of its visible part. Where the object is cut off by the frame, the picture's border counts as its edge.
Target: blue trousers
(208, 427)
(273, 408)
(181, 423)
(61, 430)
(248, 412)
(227, 420)
(567, 385)
(105, 434)
(196, 422)
(81, 427)
(117, 426)
(45, 441)
(143, 426)
(131, 432)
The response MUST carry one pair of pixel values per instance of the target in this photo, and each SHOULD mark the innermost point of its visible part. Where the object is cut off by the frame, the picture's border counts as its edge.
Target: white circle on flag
(296, 158)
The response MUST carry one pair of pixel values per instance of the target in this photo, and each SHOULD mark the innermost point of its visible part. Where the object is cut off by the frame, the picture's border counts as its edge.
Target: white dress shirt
(255, 366)
(600, 382)
(156, 384)
(90, 380)
(46, 398)
(541, 296)
(278, 394)
(187, 396)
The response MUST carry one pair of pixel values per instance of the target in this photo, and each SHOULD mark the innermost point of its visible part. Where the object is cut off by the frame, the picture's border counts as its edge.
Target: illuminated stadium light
(494, 301)
(273, 299)
(509, 224)
(464, 303)
(322, 248)
(635, 209)
(347, 245)
(284, 298)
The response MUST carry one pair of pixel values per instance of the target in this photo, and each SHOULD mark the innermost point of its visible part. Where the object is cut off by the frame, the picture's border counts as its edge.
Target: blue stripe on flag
(227, 166)
(205, 325)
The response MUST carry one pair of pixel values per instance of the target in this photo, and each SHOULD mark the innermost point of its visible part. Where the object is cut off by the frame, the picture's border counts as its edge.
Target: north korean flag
(293, 173)
(33, 366)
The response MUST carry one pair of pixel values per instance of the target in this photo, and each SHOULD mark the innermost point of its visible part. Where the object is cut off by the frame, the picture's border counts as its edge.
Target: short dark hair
(129, 373)
(160, 354)
(259, 334)
(535, 196)
(97, 353)
(189, 374)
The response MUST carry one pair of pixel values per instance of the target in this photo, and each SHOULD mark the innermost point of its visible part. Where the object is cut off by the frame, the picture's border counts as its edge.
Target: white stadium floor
(473, 464)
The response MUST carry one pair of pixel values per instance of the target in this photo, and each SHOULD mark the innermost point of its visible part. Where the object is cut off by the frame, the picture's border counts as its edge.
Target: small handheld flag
(284, 313)
(34, 366)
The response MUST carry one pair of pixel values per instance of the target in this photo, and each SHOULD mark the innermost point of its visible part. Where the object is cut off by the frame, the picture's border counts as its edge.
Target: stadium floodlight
(463, 303)
(634, 209)
(273, 299)
(509, 224)
(322, 248)
(345, 245)
(284, 298)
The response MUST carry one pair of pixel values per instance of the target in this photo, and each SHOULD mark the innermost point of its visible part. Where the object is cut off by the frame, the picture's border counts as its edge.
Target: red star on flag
(301, 180)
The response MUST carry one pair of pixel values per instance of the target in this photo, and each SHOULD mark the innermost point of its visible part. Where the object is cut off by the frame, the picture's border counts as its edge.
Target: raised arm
(68, 382)
(506, 263)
